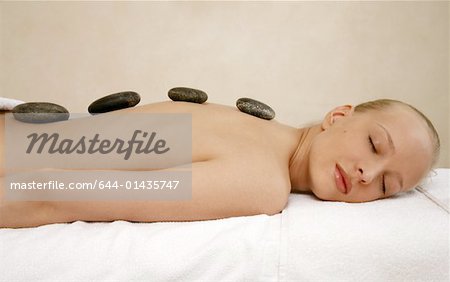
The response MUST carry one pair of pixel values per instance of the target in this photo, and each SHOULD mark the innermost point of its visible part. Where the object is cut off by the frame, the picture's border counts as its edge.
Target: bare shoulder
(247, 185)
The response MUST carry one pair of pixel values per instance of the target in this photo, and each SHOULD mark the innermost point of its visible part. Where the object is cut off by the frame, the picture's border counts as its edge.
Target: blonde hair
(382, 104)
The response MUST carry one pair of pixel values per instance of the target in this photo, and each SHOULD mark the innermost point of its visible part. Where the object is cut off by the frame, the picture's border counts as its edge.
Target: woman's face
(360, 157)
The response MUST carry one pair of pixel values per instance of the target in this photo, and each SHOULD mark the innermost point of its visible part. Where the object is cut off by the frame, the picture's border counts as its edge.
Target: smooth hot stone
(188, 95)
(255, 108)
(114, 102)
(40, 112)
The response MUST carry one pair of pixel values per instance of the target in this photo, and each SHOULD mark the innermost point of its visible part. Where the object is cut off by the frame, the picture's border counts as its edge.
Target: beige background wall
(302, 58)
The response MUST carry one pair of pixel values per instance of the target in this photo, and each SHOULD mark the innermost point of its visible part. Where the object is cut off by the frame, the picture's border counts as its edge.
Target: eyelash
(372, 145)
(383, 184)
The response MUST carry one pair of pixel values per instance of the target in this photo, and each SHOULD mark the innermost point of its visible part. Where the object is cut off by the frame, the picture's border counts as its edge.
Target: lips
(342, 181)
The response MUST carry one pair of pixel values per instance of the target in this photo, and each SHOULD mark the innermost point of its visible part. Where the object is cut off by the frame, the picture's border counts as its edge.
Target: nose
(362, 177)
(366, 175)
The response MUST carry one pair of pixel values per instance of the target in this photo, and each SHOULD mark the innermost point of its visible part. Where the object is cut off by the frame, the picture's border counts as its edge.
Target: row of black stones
(246, 105)
(43, 112)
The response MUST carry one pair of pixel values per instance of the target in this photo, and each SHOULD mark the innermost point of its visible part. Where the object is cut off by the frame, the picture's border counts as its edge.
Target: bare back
(238, 161)
(223, 132)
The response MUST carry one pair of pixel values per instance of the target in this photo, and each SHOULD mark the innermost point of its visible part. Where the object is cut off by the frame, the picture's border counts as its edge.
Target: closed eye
(372, 145)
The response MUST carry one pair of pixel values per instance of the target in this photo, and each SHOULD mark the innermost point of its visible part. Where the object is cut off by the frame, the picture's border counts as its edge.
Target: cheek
(327, 149)
(330, 144)
(319, 152)
(321, 168)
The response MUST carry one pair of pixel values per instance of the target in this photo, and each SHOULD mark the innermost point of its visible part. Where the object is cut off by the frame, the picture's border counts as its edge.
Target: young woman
(243, 165)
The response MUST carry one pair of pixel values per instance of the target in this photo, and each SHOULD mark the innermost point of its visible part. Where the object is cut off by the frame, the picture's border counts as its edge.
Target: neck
(299, 161)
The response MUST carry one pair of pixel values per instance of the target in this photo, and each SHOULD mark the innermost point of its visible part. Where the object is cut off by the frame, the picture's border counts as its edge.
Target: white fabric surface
(434, 187)
(7, 104)
(405, 238)
(234, 249)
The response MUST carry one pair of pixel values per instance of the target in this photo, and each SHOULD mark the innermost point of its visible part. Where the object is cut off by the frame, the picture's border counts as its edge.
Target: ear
(337, 113)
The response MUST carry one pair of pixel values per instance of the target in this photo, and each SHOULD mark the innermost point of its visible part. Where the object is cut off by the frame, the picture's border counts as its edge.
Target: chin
(324, 194)
(323, 185)
(322, 189)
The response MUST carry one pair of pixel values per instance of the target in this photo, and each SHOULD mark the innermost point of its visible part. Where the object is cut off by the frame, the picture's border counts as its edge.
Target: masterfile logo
(127, 156)
(84, 145)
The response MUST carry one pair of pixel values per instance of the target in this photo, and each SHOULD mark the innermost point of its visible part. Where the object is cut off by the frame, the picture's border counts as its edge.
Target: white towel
(403, 238)
(7, 104)
(233, 249)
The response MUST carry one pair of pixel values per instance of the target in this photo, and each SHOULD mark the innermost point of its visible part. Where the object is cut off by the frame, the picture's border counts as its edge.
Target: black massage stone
(114, 102)
(40, 112)
(187, 95)
(255, 108)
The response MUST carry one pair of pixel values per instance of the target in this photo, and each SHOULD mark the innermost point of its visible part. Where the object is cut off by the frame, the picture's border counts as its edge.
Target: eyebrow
(391, 144)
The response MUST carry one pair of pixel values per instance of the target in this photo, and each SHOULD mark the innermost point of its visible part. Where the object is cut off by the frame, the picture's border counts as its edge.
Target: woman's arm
(220, 189)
